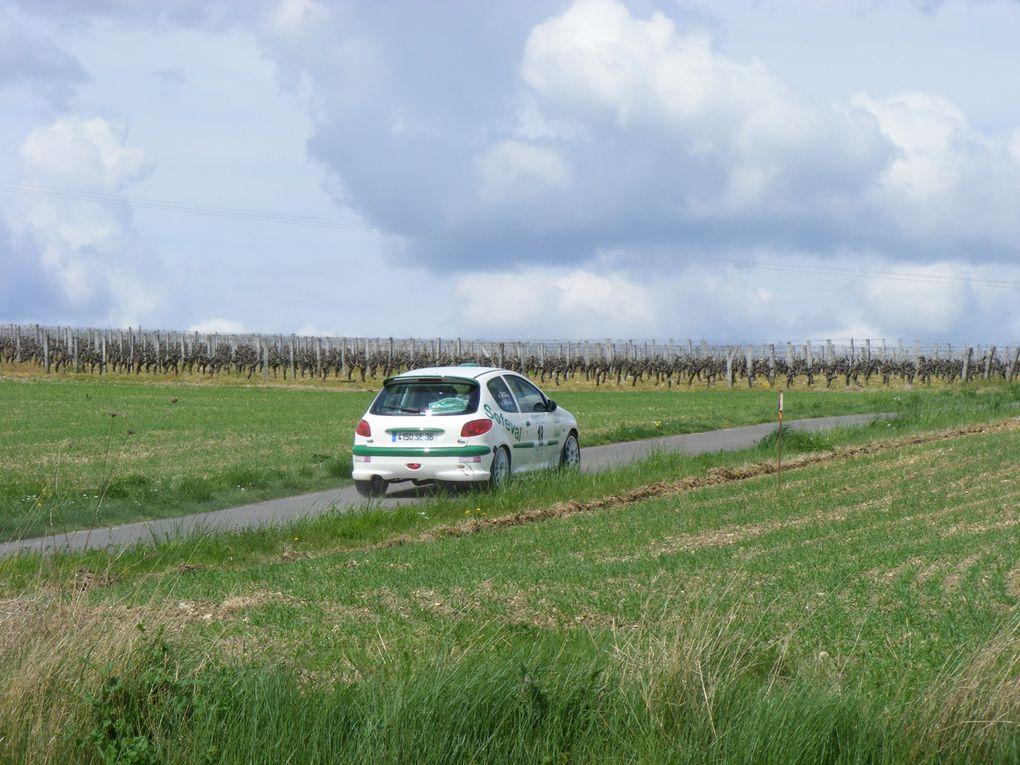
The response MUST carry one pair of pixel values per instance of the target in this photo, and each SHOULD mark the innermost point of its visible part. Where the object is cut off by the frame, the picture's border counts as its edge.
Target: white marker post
(779, 444)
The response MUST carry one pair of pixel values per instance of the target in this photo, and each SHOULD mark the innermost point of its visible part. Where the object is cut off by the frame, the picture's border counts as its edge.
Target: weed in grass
(246, 477)
(114, 737)
(338, 467)
(796, 441)
(142, 703)
(131, 485)
(194, 490)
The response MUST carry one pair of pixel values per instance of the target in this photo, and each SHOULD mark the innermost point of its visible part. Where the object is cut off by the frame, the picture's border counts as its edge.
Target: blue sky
(733, 171)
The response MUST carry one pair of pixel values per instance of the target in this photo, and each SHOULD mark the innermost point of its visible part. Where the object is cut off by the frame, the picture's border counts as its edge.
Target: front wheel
(499, 472)
(570, 455)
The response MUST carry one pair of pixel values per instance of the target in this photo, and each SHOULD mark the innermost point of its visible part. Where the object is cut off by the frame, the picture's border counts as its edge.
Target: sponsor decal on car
(499, 419)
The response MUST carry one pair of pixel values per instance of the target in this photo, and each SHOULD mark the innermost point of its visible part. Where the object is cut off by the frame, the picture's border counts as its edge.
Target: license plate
(414, 437)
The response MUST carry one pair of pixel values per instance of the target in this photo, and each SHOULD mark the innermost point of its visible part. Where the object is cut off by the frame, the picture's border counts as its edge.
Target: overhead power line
(263, 216)
(190, 208)
(902, 276)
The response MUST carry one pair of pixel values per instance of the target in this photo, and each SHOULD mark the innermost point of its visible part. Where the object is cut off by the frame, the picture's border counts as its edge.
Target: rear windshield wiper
(404, 409)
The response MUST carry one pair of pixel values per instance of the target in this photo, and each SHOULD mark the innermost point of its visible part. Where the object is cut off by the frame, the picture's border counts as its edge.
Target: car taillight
(364, 429)
(475, 428)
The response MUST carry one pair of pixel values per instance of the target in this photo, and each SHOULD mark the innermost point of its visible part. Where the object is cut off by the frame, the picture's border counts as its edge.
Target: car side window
(501, 394)
(529, 397)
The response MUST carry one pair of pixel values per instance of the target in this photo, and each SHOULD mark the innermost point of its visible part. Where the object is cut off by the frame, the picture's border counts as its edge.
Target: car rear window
(430, 396)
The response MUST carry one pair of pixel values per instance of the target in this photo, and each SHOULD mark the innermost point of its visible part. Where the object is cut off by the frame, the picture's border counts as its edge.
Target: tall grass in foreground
(698, 686)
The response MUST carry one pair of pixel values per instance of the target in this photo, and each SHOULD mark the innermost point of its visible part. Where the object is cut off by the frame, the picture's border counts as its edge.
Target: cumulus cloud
(598, 58)
(219, 326)
(86, 251)
(623, 130)
(928, 130)
(929, 308)
(631, 130)
(515, 146)
(636, 296)
(950, 190)
(735, 141)
(623, 295)
(553, 303)
(511, 170)
(533, 137)
(83, 152)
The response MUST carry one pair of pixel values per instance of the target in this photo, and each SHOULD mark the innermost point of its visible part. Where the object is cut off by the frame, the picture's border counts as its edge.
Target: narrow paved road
(279, 511)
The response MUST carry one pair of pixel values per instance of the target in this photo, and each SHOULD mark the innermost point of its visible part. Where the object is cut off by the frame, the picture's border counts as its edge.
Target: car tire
(371, 489)
(570, 454)
(499, 471)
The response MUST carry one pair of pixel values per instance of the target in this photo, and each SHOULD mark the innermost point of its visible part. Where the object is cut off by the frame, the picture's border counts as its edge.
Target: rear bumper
(454, 464)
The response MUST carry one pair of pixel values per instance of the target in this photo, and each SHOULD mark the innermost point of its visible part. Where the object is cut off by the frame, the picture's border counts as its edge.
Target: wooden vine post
(779, 446)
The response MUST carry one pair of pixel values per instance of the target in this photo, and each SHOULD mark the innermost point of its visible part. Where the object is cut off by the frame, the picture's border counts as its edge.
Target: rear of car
(422, 427)
(460, 425)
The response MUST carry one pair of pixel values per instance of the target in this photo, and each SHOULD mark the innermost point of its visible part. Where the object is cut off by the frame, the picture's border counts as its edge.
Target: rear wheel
(570, 455)
(499, 472)
(372, 489)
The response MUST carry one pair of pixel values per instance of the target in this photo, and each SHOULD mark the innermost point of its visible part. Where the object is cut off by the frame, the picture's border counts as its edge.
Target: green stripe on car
(362, 450)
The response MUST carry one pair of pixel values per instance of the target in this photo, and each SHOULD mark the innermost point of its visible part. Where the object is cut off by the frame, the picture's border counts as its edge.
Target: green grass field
(862, 609)
(80, 452)
(865, 609)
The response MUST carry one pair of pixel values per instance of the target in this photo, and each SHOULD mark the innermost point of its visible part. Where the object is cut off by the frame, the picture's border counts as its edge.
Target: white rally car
(460, 424)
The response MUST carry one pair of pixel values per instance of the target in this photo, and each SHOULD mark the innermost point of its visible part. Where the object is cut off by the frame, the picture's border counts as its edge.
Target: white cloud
(597, 57)
(85, 152)
(695, 138)
(322, 53)
(219, 326)
(88, 248)
(929, 132)
(951, 190)
(734, 139)
(553, 303)
(533, 125)
(515, 144)
(929, 307)
(293, 18)
(606, 298)
(516, 170)
(1014, 147)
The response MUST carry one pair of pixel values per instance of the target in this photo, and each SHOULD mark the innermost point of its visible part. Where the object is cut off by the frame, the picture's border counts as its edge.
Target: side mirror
(550, 405)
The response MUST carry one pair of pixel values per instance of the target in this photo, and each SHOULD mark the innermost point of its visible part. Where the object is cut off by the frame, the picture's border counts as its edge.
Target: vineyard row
(99, 351)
